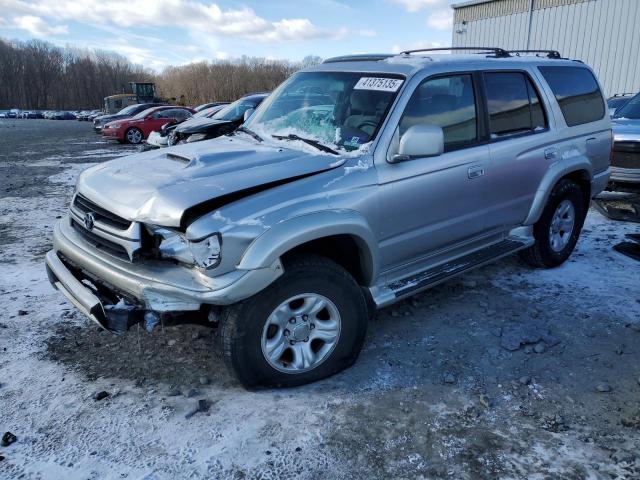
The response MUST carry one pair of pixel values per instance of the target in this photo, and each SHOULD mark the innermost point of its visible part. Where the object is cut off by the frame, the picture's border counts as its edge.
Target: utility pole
(530, 23)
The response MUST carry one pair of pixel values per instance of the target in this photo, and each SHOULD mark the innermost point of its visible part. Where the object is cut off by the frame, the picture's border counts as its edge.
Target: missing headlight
(207, 252)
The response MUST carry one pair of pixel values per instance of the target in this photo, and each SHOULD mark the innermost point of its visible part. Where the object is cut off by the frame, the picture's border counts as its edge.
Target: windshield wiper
(249, 132)
(309, 141)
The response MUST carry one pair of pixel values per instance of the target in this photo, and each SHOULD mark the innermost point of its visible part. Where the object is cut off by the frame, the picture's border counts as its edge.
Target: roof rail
(368, 57)
(549, 53)
(498, 52)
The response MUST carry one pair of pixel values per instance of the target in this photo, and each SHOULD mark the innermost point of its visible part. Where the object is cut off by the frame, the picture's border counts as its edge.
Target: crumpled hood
(158, 186)
(626, 128)
(201, 125)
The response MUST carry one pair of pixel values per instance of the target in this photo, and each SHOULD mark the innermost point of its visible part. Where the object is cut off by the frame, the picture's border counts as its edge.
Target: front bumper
(159, 286)
(626, 175)
(113, 133)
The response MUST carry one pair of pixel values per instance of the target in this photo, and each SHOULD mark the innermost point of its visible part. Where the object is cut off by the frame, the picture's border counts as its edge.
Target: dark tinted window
(631, 109)
(513, 104)
(448, 102)
(577, 92)
(538, 120)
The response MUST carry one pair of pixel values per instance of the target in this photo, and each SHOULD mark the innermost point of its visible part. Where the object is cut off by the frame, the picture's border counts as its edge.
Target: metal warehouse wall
(605, 34)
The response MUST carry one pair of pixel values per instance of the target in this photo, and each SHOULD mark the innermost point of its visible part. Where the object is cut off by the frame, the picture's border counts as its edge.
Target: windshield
(143, 113)
(205, 112)
(631, 109)
(234, 111)
(342, 110)
(130, 110)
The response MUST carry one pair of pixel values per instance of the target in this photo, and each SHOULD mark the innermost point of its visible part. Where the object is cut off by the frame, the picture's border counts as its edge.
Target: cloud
(36, 26)
(189, 15)
(417, 5)
(367, 33)
(441, 20)
(415, 46)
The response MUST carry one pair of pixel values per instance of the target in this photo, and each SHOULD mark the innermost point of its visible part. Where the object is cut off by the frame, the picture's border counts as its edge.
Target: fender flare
(560, 169)
(290, 233)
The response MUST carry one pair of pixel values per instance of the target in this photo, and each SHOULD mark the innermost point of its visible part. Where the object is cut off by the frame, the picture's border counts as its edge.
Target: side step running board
(400, 289)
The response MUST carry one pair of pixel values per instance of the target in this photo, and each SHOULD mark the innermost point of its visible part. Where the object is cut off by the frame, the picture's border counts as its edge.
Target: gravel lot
(506, 372)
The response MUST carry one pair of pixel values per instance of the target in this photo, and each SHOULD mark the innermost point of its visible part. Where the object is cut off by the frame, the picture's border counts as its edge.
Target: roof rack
(368, 57)
(549, 53)
(498, 52)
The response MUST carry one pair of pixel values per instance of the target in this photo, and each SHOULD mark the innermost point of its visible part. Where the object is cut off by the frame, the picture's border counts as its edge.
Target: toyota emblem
(89, 220)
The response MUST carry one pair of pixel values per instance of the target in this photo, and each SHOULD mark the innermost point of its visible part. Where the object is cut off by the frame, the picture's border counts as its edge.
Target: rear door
(521, 146)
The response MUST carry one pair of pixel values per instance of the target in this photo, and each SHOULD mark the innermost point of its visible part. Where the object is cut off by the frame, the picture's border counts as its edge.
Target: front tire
(134, 136)
(557, 231)
(309, 324)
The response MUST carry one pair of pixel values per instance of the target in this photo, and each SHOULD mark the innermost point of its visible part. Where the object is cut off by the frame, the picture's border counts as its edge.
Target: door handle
(550, 153)
(475, 172)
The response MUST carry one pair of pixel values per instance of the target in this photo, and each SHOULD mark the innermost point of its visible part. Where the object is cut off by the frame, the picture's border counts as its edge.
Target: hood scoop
(179, 158)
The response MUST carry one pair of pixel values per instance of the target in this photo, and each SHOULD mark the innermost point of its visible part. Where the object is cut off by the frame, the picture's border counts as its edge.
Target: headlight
(196, 137)
(207, 252)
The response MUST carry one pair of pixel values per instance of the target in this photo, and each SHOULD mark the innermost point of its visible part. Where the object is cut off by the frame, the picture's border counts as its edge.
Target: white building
(605, 34)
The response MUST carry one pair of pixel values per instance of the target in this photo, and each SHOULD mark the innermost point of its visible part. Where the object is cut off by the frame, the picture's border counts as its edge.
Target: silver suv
(357, 183)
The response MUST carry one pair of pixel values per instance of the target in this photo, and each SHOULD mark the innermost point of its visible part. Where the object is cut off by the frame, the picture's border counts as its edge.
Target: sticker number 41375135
(376, 83)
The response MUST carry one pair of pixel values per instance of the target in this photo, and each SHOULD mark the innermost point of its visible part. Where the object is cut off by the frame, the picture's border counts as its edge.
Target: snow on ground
(433, 394)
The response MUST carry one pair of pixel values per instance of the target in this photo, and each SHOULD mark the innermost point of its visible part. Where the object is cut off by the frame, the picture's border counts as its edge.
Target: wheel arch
(578, 170)
(342, 236)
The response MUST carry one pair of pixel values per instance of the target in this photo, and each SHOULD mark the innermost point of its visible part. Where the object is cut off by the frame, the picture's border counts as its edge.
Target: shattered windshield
(334, 110)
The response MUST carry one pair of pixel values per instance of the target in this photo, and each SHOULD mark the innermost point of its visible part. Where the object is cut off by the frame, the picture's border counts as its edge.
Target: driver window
(447, 102)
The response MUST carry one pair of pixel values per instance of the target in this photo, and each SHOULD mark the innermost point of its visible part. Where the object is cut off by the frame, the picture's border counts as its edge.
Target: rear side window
(447, 102)
(513, 104)
(577, 93)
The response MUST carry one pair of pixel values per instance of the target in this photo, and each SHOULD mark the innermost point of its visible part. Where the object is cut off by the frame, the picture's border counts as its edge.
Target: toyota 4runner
(356, 184)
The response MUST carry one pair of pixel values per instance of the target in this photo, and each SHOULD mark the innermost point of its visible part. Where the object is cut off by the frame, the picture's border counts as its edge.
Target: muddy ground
(507, 372)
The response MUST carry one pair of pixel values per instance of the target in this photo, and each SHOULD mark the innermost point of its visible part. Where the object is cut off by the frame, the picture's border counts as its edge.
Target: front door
(430, 204)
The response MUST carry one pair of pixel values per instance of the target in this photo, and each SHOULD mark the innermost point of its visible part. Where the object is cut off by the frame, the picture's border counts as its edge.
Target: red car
(134, 130)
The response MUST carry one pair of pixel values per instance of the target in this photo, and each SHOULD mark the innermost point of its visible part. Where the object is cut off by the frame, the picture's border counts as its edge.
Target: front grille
(631, 147)
(101, 243)
(100, 214)
(623, 159)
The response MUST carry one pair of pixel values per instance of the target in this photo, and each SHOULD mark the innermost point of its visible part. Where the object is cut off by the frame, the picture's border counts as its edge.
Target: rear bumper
(158, 286)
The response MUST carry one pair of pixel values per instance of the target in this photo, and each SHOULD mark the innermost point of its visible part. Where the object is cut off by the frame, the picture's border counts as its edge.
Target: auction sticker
(377, 83)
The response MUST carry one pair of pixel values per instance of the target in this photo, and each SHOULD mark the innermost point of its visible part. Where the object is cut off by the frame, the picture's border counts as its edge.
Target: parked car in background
(127, 112)
(625, 157)
(63, 116)
(161, 138)
(94, 114)
(138, 128)
(617, 101)
(225, 121)
(415, 168)
(205, 106)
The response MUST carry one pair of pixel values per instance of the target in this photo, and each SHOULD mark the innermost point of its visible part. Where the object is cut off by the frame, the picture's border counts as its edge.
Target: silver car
(625, 158)
(356, 184)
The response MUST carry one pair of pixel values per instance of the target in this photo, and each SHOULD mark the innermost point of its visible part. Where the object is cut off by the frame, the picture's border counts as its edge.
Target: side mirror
(247, 114)
(420, 141)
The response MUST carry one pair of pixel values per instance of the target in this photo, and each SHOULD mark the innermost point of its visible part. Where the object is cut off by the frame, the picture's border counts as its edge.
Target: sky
(159, 33)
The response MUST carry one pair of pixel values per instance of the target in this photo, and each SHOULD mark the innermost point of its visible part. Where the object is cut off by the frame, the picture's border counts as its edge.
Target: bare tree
(39, 75)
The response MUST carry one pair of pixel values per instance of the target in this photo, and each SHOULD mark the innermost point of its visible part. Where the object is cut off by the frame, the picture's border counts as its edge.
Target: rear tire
(558, 229)
(263, 337)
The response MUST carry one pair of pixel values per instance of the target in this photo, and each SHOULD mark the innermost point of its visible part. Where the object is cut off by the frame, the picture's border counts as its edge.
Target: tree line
(37, 75)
